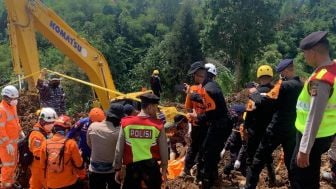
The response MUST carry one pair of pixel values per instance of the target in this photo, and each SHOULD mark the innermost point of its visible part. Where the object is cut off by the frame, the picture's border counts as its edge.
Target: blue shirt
(80, 129)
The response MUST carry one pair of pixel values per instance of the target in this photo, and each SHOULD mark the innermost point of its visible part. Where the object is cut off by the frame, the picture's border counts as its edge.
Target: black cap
(250, 84)
(196, 66)
(178, 119)
(283, 65)
(149, 98)
(115, 110)
(313, 39)
(128, 109)
(54, 77)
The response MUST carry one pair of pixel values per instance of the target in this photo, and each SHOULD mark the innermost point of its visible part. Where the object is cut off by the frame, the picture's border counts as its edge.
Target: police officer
(281, 130)
(141, 143)
(259, 112)
(316, 111)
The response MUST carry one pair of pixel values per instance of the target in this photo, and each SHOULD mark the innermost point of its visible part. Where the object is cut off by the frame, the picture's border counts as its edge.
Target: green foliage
(5, 64)
(239, 29)
(137, 37)
(173, 56)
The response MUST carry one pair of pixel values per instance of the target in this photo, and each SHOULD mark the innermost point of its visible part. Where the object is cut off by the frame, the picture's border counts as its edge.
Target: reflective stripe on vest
(9, 115)
(3, 139)
(8, 164)
(328, 122)
(141, 138)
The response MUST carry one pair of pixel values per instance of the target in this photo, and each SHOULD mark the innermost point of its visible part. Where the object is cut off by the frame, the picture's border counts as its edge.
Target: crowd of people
(126, 147)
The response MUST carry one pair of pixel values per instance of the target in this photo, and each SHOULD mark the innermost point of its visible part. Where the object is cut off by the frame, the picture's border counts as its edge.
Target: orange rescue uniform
(207, 104)
(36, 138)
(72, 162)
(10, 130)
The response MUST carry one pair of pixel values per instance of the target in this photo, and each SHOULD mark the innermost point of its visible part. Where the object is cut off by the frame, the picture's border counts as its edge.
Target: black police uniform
(281, 130)
(256, 122)
(218, 132)
(235, 145)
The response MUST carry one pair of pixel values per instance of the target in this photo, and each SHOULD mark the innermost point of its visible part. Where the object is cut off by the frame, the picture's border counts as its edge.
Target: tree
(238, 30)
(174, 55)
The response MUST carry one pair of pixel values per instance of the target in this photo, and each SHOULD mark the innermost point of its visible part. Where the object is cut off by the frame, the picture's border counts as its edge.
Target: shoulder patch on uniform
(312, 88)
(37, 143)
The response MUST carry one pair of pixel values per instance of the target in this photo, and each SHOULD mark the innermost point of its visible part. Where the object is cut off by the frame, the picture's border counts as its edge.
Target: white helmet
(211, 68)
(10, 91)
(48, 114)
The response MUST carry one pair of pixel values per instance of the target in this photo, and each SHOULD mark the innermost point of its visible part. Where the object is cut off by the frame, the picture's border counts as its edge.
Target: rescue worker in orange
(10, 131)
(36, 138)
(70, 160)
(198, 129)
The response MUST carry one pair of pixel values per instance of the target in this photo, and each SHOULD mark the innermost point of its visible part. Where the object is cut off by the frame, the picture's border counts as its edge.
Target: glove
(10, 149)
(236, 164)
(222, 153)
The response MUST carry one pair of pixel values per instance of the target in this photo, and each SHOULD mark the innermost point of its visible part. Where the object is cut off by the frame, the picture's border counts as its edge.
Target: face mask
(48, 127)
(13, 102)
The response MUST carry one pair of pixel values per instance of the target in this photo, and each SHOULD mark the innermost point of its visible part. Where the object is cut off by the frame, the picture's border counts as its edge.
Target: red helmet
(63, 121)
(96, 115)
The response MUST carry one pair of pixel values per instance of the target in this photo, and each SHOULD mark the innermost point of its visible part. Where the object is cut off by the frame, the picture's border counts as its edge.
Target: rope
(18, 80)
(124, 96)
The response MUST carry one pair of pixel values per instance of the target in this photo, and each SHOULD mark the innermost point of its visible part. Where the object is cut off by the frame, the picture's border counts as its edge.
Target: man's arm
(3, 133)
(88, 138)
(317, 106)
(119, 150)
(162, 141)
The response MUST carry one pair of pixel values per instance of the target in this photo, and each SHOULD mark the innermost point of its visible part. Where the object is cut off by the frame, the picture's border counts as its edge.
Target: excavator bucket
(170, 113)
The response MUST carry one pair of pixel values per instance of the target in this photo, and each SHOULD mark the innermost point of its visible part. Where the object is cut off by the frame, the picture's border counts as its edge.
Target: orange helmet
(63, 121)
(96, 115)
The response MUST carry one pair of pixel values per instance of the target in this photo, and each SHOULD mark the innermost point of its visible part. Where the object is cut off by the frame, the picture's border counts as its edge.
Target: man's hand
(302, 160)
(118, 177)
(186, 88)
(252, 90)
(43, 73)
(22, 134)
(164, 175)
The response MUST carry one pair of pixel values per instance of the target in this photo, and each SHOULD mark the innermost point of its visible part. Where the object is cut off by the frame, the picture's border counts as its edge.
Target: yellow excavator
(25, 17)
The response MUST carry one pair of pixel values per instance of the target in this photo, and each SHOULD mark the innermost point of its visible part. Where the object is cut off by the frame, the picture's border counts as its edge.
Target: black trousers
(147, 171)
(213, 144)
(253, 144)
(198, 134)
(102, 180)
(309, 177)
(271, 140)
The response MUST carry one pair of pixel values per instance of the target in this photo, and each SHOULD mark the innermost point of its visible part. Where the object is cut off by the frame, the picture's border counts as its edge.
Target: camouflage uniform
(53, 97)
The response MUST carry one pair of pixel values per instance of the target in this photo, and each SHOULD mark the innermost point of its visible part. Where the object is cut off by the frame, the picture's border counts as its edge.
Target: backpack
(26, 157)
(55, 155)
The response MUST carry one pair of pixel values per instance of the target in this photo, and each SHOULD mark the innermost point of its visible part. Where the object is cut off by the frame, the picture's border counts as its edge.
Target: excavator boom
(25, 17)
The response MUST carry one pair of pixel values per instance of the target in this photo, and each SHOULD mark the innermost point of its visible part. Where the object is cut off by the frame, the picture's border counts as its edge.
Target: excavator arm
(25, 17)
